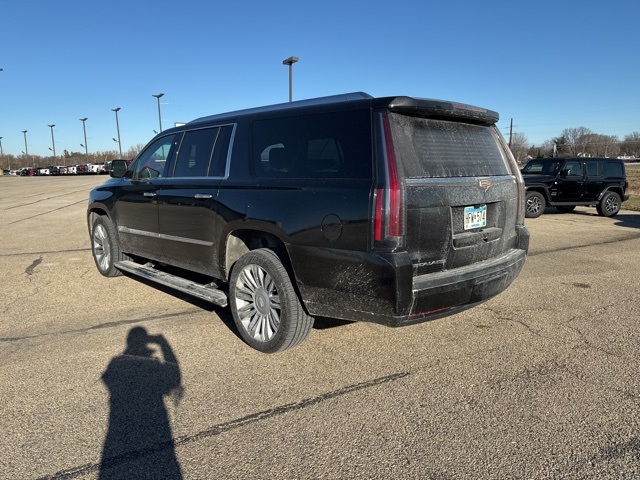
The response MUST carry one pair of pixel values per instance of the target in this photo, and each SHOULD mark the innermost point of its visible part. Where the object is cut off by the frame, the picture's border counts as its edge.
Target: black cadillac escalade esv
(389, 210)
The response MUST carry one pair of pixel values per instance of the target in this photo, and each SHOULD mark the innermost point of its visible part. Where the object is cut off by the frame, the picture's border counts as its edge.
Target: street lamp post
(84, 128)
(26, 149)
(53, 143)
(159, 96)
(290, 61)
(117, 109)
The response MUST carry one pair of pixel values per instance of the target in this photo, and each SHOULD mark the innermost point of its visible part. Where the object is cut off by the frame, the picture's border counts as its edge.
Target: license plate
(475, 217)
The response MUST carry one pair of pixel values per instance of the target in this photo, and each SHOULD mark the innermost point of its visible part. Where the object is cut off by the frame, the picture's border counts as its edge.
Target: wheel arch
(93, 212)
(611, 188)
(542, 189)
(242, 240)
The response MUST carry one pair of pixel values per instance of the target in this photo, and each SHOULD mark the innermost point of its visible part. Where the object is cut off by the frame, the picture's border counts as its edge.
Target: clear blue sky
(549, 65)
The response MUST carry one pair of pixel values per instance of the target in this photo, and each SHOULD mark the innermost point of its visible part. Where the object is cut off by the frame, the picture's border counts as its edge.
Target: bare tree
(596, 145)
(630, 146)
(577, 140)
(519, 146)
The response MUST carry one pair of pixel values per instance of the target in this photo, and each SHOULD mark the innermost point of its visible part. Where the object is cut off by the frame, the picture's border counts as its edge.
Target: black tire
(265, 306)
(609, 205)
(566, 208)
(104, 246)
(534, 204)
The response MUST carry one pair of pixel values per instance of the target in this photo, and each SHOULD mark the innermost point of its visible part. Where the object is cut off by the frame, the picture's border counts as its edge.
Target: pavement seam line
(222, 428)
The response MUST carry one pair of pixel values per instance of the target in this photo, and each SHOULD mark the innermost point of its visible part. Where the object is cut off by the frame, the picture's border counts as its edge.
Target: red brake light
(379, 215)
(388, 222)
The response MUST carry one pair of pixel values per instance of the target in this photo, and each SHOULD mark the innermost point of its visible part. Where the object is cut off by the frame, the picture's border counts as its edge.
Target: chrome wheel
(258, 303)
(101, 248)
(104, 247)
(265, 306)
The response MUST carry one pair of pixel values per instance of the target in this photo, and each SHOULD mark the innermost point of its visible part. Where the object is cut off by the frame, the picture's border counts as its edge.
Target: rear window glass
(594, 169)
(430, 148)
(542, 167)
(613, 169)
(333, 145)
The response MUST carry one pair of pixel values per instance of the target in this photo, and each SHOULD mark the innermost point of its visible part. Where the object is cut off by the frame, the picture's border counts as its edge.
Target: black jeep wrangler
(565, 183)
(390, 210)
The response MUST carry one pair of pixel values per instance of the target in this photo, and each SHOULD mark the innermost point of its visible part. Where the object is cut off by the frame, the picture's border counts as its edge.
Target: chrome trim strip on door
(144, 233)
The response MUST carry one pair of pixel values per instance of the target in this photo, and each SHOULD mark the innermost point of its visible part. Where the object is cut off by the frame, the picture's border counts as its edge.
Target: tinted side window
(573, 169)
(333, 145)
(195, 153)
(438, 148)
(152, 161)
(613, 169)
(594, 169)
(218, 166)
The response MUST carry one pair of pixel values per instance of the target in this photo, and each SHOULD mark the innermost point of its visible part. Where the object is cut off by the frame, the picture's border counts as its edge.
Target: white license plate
(475, 217)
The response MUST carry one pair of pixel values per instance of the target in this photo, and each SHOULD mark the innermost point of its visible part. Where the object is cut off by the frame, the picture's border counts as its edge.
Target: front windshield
(548, 166)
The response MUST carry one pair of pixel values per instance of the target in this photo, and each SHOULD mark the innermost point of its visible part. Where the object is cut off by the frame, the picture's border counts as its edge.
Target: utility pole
(510, 133)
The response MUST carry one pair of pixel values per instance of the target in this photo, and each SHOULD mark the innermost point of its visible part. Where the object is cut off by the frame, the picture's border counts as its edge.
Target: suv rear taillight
(388, 211)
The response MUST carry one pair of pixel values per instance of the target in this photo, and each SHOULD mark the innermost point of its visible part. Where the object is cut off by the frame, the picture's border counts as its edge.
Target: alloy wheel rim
(101, 248)
(533, 205)
(611, 205)
(258, 303)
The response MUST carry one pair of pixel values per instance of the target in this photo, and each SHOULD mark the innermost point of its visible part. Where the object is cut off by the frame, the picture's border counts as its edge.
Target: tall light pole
(117, 109)
(53, 143)
(26, 149)
(84, 128)
(290, 61)
(159, 96)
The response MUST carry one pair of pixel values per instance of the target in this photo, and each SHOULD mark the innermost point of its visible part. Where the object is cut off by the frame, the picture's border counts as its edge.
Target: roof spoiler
(437, 108)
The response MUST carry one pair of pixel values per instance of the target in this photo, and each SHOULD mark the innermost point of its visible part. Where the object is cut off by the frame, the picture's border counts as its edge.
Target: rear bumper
(382, 289)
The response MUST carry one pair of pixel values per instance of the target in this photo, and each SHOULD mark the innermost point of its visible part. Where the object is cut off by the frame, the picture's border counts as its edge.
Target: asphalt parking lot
(540, 382)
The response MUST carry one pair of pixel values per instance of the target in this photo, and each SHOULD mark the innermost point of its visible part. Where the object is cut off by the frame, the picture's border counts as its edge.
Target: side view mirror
(118, 168)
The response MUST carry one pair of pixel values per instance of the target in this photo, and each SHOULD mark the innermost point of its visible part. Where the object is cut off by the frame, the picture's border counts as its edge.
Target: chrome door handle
(203, 196)
(150, 194)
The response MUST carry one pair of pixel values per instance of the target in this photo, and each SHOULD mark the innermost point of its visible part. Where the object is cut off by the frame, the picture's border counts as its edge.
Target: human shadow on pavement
(139, 442)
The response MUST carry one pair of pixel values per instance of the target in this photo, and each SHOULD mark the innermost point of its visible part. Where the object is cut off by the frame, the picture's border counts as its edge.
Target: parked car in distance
(95, 168)
(72, 169)
(83, 168)
(28, 171)
(565, 183)
(44, 171)
(390, 210)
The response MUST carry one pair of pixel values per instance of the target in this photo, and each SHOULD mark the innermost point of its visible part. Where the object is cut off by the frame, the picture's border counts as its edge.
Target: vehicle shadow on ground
(626, 218)
(224, 313)
(139, 442)
(630, 220)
